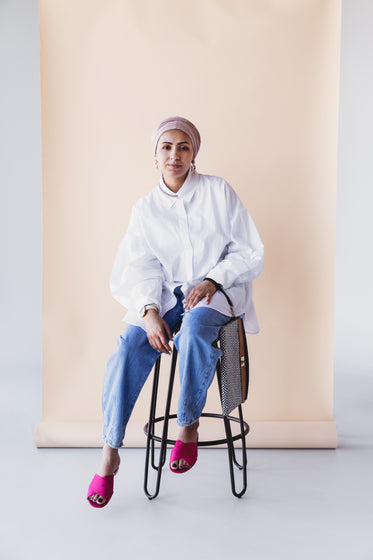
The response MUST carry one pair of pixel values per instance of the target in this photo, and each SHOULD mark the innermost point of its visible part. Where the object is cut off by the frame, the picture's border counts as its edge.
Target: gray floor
(300, 503)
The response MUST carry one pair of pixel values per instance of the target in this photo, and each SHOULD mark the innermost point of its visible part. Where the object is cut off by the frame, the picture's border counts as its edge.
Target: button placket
(188, 247)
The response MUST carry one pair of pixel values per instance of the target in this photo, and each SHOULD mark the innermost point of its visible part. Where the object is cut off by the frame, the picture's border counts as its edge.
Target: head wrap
(178, 123)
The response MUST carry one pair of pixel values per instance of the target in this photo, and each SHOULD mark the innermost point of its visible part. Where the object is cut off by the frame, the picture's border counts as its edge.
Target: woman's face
(174, 155)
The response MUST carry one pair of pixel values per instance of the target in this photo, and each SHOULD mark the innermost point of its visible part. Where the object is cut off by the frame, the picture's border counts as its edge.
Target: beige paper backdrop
(260, 80)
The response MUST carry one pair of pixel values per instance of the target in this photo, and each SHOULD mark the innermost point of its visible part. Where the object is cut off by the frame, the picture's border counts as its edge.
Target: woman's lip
(173, 165)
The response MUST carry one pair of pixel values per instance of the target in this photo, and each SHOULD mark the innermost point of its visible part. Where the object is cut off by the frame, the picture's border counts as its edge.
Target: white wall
(20, 187)
(354, 259)
(21, 193)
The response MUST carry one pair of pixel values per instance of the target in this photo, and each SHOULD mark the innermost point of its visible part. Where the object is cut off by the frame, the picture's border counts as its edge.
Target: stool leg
(244, 460)
(232, 456)
(231, 450)
(153, 410)
(150, 439)
(168, 405)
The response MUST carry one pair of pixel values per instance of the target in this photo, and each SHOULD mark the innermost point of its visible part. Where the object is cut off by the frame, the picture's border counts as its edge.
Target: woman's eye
(168, 147)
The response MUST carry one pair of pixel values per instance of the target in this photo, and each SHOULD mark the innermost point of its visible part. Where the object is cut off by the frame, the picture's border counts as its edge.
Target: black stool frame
(149, 430)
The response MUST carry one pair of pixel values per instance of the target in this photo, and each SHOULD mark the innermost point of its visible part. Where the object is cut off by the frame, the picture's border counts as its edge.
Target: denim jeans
(129, 366)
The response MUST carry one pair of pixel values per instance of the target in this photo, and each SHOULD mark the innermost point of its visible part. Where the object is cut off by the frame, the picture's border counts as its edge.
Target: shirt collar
(185, 192)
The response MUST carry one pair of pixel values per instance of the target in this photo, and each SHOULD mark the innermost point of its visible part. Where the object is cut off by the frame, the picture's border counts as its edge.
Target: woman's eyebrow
(184, 142)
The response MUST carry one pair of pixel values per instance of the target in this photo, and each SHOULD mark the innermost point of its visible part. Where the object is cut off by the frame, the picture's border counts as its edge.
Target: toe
(97, 499)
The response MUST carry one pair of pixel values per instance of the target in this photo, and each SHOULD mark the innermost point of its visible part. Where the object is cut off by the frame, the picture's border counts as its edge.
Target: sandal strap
(188, 452)
(102, 485)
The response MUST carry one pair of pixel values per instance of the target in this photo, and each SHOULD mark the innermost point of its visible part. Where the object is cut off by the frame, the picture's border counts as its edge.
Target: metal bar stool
(149, 430)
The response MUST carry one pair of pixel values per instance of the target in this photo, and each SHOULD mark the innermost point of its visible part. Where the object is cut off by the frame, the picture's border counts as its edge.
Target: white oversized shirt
(178, 239)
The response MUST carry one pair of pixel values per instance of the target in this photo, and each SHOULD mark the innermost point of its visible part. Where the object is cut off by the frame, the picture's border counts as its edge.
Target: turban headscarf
(178, 123)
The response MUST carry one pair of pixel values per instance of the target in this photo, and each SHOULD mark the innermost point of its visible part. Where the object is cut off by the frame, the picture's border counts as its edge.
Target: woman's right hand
(158, 331)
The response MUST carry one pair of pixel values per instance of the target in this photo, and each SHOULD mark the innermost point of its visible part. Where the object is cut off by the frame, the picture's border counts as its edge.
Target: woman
(186, 238)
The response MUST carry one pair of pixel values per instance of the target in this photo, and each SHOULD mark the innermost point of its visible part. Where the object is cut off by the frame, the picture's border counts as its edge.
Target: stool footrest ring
(205, 443)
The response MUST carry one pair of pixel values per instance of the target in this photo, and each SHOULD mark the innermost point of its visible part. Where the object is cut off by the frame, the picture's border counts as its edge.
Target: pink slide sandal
(187, 452)
(103, 485)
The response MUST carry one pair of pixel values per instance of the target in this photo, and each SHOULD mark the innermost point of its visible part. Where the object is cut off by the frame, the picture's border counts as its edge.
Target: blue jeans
(129, 366)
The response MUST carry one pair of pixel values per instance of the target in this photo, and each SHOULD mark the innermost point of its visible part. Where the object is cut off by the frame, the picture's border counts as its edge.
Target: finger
(159, 343)
(163, 333)
(192, 293)
(191, 296)
(187, 300)
(189, 304)
(153, 344)
(197, 297)
(160, 348)
(164, 344)
(192, 303)
(168, 331)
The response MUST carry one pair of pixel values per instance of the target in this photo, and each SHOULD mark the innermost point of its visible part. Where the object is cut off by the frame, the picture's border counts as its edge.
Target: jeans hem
(185, 424)
(112, 444)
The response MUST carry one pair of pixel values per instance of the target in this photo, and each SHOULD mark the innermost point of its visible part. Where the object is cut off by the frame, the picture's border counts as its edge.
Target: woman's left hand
(204, 289)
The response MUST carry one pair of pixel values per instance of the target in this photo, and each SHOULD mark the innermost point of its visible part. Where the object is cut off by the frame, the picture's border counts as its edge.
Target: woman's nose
(174, 153)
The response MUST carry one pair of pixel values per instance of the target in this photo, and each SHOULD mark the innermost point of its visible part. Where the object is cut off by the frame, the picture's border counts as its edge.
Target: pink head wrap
(178, 123)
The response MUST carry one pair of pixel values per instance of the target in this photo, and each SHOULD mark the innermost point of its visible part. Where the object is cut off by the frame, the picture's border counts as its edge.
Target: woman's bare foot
(188, 434)
(110, 461)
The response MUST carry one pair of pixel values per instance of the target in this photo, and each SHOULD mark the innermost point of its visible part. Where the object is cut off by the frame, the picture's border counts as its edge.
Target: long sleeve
(137, 276)
(243, 259)
(177, 240)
